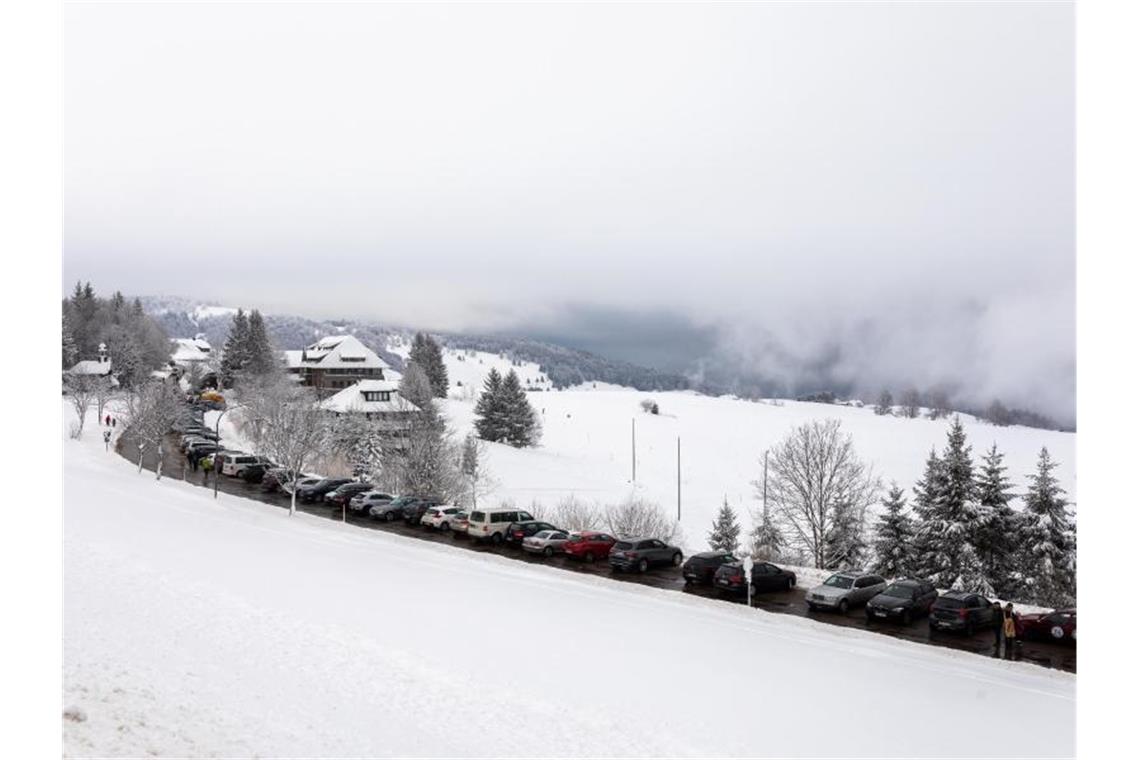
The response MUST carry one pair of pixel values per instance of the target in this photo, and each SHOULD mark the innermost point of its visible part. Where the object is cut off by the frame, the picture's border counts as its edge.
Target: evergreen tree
(767, 539)
(235, 352)
(845, 544)
(886, 402)
(521, 421)
(725, 533)
(490, 410)
(261, 358)
(427, 353)
(945, 511)
(126, 362)
(894, 536)
(1047, 537)
(995, 523)
(70, 351)
(927, 542)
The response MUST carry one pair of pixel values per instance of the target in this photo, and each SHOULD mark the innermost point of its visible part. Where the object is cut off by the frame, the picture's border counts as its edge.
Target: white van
(233, 462)
(491, 524)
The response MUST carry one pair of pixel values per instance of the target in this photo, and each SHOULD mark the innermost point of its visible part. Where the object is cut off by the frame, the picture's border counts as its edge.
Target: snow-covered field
(586, 448)
(196, 627)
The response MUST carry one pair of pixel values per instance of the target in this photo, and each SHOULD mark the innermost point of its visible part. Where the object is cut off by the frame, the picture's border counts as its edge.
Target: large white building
(99, 367)
(337, 362)
(191, 351)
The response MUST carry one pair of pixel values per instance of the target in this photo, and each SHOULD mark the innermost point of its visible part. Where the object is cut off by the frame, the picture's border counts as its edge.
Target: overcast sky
(896, 178)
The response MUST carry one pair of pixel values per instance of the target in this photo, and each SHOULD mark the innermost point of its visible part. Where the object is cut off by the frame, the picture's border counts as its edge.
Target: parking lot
(1044, 653)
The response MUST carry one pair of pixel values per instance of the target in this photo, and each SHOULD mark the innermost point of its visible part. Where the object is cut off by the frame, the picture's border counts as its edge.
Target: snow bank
(203, 627)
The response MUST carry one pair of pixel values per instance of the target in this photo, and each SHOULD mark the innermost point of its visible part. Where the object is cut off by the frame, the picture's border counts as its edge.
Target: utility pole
(678, 478)
(633, 444)
(764, 490)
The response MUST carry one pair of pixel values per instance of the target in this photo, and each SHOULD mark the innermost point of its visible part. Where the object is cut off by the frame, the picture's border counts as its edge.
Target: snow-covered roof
(190, 350)
(292, 359)
(339, 351)
(364, 397)
(91, 367)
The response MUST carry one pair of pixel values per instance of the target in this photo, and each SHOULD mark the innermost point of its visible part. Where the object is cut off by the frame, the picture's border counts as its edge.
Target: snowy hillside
(586, 444)
(197, 627)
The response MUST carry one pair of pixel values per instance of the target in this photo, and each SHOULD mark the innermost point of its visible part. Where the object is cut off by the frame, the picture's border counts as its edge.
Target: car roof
(907, 582)
(710, 555)
(958, 594)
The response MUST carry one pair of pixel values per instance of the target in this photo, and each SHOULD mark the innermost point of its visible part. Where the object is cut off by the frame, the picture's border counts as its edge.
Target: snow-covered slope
(587, 445)
(201, 627)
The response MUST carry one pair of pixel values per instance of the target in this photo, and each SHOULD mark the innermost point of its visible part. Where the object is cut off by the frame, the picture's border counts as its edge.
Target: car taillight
(631, 555)
(963, 613)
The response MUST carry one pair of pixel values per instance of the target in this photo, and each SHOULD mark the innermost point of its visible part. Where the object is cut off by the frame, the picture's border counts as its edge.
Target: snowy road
(198, 627)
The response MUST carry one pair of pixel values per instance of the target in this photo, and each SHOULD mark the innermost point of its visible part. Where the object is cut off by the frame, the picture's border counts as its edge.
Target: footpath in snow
(195, 627)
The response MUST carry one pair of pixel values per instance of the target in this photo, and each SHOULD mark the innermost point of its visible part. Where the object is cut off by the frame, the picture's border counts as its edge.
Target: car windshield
(477, 516)
(839, 581)
(902, 592)
(623, 545)
(576, 538)
(950, 604)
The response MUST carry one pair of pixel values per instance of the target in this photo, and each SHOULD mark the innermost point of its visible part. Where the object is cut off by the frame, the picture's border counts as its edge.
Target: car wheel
(788, 585)
(548, 552)
(677, 559)
(589, 557)
(906, 618)
(843, 605)
(496, 538)
(642, 565)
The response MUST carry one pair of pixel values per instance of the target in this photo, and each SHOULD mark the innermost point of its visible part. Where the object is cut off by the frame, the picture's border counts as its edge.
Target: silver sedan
(846, 589)
(547, 542)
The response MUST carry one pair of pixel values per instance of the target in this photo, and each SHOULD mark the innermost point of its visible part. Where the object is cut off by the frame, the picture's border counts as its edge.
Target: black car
(320, 488)
(902, 600)
(700, 568)
(202, 448)
(961, 611)
(417, 505)
(341, 495)
(274, 478)
(765, 577)
(255, 473)
(641, 553)
(517, 531)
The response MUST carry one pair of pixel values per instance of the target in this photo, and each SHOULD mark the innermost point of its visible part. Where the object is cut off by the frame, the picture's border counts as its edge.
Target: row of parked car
(902, 600)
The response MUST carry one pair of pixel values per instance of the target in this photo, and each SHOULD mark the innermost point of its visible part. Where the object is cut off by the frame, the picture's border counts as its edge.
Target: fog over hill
(654, 351)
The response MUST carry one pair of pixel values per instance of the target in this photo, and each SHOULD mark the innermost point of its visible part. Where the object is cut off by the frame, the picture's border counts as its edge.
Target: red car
(589, 545)
(1058, 625)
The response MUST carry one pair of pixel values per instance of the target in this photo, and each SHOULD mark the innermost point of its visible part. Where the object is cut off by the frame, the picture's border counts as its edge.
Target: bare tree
(815, 479)
(911, 401)
(571, 513)
(473, 467)
(105, 391)
(285, 423)
(152, 411)
(81, 392)
(636, 517)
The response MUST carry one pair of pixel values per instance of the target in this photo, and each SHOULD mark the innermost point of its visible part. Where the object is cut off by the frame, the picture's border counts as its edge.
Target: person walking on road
(998, 624)
(1009, 630)
(108, 420)
(207, 464)
(193, 460)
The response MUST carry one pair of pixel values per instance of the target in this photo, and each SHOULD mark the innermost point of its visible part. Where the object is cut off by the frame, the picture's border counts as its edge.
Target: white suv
(492, 524)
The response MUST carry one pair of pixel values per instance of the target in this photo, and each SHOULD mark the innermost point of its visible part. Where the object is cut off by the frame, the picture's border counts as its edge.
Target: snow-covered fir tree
(944, 509)
(1047, 538)
(521, 421)
(427, 353)
(235, 352)
(70, 350)
(995, 523)
(725, 533)
(261, 359)
(490, 410)
(845, 544)
(894, 537)
(767, 541)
